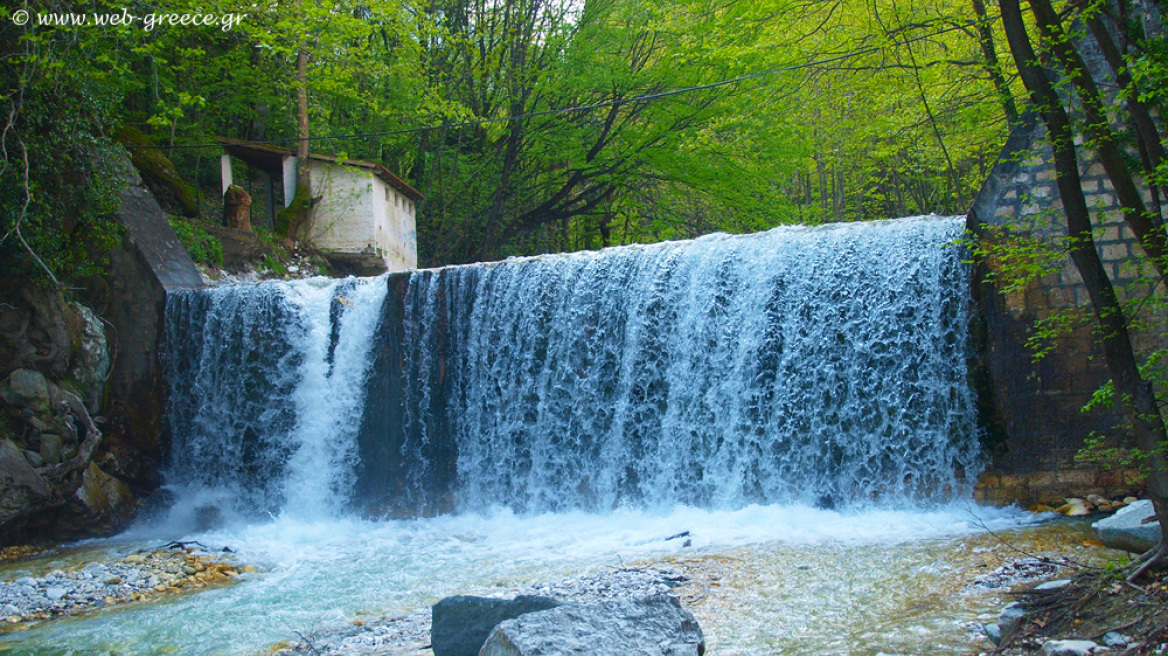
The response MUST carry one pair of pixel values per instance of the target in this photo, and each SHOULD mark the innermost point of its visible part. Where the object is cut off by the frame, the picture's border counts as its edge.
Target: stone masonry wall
(1032, 415)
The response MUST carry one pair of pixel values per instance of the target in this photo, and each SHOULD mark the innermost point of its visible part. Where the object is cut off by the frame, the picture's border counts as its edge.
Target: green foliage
(905, 125)
(291, 218)
(1149, 70)
(60, 175)
(1016, 260)
(158, 172)
(203, 247)
(276, 265)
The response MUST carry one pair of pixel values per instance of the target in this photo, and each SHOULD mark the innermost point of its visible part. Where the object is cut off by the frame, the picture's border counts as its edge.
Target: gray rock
(461, 624)
(9, 609)
(1052, 585)
(33, 458)
(1113, 639)
(51, 448)
(994, 633)
(651, 626)
(56, 593)
(26, 388)
(1010, 615)
(1069, 648)
(1124, 529)
(91, 362)
(22, 490)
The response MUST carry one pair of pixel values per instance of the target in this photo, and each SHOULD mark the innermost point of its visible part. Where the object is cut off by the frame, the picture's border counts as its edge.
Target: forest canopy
(530, 125)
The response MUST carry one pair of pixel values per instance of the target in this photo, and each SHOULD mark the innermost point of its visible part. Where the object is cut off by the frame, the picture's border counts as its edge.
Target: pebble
(136, 577)
(1023, 570)
(55, 593)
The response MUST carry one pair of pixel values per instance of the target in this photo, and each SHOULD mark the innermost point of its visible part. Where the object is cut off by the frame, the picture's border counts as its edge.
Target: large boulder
(461, 624)
(91, 362)
(1126, 529)
(651, 626)
(22, 490)
(107, 500)
(26, 388)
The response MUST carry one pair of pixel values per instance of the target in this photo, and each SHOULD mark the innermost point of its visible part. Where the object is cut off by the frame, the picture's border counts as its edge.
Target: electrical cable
(568, 110)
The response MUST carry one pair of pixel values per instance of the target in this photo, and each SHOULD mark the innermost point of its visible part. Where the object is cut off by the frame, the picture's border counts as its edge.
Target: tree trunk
(989, 53)
(303, 172)
(1136, 394)
(1151, 149)
(1153, 239)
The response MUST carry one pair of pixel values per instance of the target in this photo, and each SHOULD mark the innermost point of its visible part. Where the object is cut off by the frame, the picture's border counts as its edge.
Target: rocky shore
(133, 578)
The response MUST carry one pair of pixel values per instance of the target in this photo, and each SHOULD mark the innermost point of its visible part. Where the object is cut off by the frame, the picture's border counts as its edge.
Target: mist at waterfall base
(797, 396)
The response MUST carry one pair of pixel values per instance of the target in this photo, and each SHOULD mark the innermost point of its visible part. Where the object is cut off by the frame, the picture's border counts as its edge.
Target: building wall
(343, 219)
(362, 216)
(396, 228)
(1031, 409)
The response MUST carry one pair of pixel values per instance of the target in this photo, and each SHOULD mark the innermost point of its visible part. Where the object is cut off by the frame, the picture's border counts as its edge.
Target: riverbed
(761, 580)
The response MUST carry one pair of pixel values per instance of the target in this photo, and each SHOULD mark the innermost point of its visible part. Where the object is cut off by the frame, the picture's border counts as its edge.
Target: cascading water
(809, 365)
(266, 387)
(718, 388)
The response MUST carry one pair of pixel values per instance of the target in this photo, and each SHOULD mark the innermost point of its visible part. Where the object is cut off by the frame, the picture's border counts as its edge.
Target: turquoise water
(790, 580)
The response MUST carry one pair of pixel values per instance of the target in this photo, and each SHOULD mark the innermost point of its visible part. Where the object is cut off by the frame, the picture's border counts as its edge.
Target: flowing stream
(796, 399)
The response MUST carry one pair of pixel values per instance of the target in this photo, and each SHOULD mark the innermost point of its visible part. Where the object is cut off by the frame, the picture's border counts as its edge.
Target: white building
(365, 219)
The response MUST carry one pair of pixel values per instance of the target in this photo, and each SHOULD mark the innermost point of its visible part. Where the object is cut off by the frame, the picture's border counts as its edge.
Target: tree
(1136, 393)
(60, 173)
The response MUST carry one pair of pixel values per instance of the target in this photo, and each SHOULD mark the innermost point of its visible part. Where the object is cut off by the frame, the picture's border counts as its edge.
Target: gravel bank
(136, 577)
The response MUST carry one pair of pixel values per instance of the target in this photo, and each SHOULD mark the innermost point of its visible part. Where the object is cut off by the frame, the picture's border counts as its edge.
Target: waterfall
(821, 365)
(266, 390)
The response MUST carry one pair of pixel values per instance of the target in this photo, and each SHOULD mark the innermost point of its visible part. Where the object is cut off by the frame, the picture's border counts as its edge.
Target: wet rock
(652, 626)
(1125, 529)
(1069, 648)
(1074, 507)
(994, 633)
(26, 388)
(1010, 615)
(461, 624)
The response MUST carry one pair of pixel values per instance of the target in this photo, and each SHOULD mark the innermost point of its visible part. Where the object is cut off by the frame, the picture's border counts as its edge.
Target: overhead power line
(579, 108)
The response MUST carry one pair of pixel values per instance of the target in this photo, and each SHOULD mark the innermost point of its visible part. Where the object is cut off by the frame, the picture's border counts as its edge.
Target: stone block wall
(1032, 414)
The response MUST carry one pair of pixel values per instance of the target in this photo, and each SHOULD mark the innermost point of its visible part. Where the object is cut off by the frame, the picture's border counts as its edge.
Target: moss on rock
(158, 172)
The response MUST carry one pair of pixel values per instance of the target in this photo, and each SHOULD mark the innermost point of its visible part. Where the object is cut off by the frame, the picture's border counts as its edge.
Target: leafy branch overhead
(864, 110)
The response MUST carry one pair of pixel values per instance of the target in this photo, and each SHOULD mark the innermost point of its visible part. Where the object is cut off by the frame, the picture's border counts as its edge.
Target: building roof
(271, 158)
